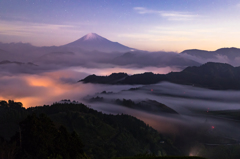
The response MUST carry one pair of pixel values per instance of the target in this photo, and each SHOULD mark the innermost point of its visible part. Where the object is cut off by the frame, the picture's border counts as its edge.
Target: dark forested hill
(113, 78)
(103, 136)
(210, 75)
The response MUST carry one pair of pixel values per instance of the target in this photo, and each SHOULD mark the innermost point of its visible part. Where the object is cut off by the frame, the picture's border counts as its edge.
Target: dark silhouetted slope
(210, 75)
(112, 79)
(103, 136)
(145, 78)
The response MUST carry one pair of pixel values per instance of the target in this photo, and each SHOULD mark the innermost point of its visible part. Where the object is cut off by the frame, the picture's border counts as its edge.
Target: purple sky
(170, 25)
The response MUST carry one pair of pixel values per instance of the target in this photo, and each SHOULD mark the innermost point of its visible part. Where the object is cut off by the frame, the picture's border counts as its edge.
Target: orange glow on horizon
(39, 81)
(27, 102)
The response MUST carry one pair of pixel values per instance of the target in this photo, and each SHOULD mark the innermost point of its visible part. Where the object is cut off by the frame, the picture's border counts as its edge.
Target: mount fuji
(93, 41)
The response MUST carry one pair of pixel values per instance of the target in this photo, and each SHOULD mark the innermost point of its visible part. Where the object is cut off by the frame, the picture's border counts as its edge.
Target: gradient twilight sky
(153, 25)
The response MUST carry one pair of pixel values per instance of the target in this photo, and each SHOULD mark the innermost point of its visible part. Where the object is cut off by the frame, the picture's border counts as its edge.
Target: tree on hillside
(39, 138)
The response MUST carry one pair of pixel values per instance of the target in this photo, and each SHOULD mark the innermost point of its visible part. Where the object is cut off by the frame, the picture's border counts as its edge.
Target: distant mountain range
(93, 49)
(5, 62)
(95, 42)
(5, 55)
(231, 53)
(210, 75)
(157, 59)
(225, 55)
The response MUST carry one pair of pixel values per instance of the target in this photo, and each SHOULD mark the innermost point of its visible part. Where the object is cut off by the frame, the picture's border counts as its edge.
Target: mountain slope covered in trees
(103, 136)
(210, 75)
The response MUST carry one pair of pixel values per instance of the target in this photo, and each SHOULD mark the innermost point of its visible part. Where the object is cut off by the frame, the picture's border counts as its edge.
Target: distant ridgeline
(147, 105)
(230, 53)
(71, 130)
(211, 75)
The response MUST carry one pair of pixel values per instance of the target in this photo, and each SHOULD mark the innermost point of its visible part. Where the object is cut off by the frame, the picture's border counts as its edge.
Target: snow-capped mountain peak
(91, 36)
(93, 41)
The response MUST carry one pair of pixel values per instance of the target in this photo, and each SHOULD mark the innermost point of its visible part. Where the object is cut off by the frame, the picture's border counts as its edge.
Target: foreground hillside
(165, 157)
(71, 130)
(103, 136)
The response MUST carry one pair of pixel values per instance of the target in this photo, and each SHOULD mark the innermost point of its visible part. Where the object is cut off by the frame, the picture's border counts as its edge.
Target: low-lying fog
(39, 87)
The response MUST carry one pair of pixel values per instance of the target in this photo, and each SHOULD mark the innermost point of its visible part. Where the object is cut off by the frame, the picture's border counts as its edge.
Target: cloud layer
(169, 15)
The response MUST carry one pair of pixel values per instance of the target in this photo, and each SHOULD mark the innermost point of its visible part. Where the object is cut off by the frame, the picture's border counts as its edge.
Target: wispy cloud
(238, 5)
(19, 28)
(170, 15)
(53, 34)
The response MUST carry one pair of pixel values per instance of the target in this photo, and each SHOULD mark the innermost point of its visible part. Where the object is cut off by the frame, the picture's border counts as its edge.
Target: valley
(188, 106)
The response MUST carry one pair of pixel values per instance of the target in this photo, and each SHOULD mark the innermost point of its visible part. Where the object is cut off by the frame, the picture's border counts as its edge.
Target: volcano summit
(93, 41)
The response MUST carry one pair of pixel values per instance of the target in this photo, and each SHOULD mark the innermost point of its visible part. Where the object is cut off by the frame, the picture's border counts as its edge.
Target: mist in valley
(173, 64)
(46, 86)
(52, 74)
